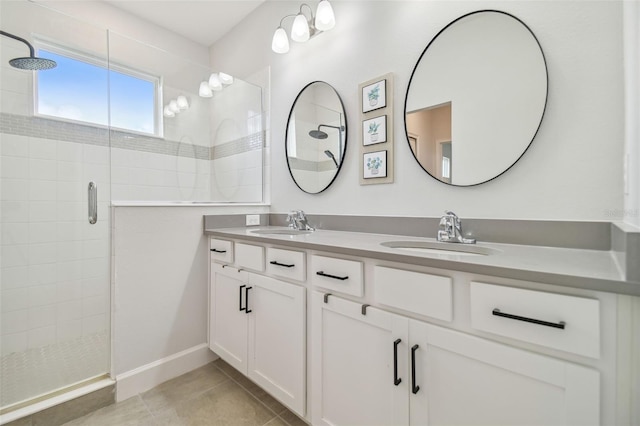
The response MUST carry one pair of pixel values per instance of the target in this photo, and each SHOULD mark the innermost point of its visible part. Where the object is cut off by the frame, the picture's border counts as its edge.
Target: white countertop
(587, 269)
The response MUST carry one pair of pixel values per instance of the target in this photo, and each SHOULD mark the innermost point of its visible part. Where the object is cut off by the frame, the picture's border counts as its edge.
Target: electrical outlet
(253, 219)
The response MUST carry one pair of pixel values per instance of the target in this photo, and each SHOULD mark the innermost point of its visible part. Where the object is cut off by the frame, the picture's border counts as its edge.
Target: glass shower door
(55, 239)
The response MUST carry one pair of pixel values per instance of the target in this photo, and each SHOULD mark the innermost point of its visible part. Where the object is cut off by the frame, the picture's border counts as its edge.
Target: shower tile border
(44, 128)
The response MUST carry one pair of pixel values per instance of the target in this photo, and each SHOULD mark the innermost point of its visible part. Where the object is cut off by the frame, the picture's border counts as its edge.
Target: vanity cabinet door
(353, 364)
(228, 320)
(277, 340)
(464, 379)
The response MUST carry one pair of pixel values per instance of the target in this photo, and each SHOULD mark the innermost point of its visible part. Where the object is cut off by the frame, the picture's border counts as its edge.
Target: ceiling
(202, 21)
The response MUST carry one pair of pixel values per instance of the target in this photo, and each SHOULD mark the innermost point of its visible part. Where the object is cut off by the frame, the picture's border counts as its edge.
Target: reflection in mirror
(316, 137)
(476, 98)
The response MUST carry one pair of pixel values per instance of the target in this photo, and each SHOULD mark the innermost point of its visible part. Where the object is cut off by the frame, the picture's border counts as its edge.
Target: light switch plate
(253, 219)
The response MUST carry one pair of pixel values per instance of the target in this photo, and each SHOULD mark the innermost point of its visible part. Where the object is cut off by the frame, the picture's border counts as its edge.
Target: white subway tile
(14, 168)
(42, 190)
(68, 311)
(69, 290)
(43, 169)
(44, 273)
(95, 248)
(98, 231)
(14, 277)
(14, 233)
(14, 211)
(14, 322)
(14, 145)
(42, 316)
(14, 299)
(69, 171)
(15, 103)
(95, 154)
(70, 151)
(41, 295)
(42, 232)
(69, 250)
(14, 255)
(12, 343)
(93, 268)
(41, 337)
(69, 231)
(42, 211)
(45, 149)
(14, 189)
(70, 191)
(42, 253)
(98, 286)
(69, 271)
(69, 330)
(71, 211)
(95, 324)
(94, 305)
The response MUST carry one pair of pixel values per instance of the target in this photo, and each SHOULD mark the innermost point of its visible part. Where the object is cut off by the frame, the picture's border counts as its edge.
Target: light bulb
(300, 29)
(225, 78)
(168, 112)
(325, 19)
(205, 90)
(182, 102)
(173, 106)
(214, 82)
(280, 42)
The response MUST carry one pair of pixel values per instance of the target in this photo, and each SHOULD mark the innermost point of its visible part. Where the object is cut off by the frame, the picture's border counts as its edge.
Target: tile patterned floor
(215, 394)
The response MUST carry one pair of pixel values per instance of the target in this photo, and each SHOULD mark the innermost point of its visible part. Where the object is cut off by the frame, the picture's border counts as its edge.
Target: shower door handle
(93, 202)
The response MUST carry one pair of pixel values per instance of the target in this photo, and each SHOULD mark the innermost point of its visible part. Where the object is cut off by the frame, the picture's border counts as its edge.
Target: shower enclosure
(117, 122)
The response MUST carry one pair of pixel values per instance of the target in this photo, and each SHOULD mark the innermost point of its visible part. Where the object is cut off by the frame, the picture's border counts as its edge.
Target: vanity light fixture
(176, 106)
(304, 28)
(217, 81)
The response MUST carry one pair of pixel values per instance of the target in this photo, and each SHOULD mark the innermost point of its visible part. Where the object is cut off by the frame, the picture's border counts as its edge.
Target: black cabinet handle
(218, 251)
(559, 325)
(240, 299)
(396, 379)
(322, 274)
(414, 387)
(284, 265)
(246, 299)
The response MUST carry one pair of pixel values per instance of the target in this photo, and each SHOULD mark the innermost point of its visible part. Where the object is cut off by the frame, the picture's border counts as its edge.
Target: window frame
(158, 131)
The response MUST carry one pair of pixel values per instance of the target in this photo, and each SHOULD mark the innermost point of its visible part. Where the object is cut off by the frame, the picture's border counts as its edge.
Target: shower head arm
(31, 49)
(341, 128)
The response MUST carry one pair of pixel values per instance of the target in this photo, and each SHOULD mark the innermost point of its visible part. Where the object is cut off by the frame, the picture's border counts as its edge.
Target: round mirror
(476, 98)
(316, 137)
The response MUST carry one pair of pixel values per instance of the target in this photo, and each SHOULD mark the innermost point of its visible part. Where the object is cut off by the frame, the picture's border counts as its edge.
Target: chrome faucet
(450, 230)
(298, 221)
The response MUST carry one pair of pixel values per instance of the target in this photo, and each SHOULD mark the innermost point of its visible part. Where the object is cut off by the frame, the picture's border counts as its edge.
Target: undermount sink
(280, 232)
(428, 247)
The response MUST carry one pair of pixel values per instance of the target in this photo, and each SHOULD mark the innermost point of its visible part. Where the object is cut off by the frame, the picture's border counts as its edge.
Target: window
(81, 89)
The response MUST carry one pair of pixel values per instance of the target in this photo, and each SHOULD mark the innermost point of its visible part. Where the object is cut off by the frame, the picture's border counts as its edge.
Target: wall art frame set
(376, 140)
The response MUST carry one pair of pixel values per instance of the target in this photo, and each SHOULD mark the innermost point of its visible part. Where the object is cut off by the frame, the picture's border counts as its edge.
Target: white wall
(572, 170)
(631, 212)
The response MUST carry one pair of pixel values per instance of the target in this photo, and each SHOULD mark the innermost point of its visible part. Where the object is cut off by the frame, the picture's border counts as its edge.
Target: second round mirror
(316, 137)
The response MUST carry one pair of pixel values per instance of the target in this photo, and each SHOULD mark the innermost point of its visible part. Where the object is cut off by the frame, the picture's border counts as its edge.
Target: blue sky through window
(77, 90)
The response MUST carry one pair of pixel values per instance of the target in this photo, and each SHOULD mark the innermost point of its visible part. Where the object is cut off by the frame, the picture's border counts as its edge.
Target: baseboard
(143, 378)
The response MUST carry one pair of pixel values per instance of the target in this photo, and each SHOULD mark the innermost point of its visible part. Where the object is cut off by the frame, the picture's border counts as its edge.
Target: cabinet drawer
(344, 276)
(567, 323)
(286, 264)
(221, 250)
(423, 294)
(249, 256)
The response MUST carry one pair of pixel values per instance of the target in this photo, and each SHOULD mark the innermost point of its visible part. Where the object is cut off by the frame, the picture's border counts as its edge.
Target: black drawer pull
(322, 274)
(246, 299)
(218, 251)
(284, 265)
(559, 325)
(414, 388)
(396, 380)
(240, 298)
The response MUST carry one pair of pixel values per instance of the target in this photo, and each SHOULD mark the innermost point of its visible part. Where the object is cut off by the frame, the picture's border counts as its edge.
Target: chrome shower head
(31, 62)
(330, 155)
(318, 134)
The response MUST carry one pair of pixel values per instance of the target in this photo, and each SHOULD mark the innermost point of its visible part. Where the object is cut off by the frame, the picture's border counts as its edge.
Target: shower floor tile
(34, 372)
